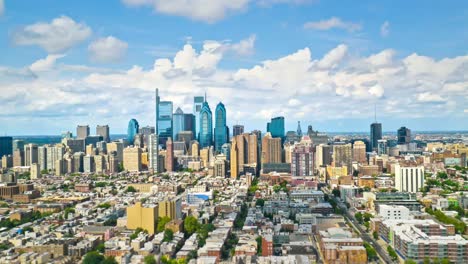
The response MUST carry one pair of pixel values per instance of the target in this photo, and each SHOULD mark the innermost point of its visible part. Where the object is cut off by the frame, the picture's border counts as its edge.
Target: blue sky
(324, 63)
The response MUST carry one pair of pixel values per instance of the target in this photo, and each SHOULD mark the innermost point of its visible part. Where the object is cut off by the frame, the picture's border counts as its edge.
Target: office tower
(93, 140)
(205, 156)
(18, 158)
(153, 152)
(237, 130)
(302, 158)
(382, 147)
(169, 155)
(138, 141)
(6, 146)
(88, 164)
(7, 161)
(82, 132)
(74, 145)
(42, 157)
(35, 171)
(102, 147)
(144, 217)
(234, 158)
(226, 150)
(206, 126)
(104, 132)
(404, 136)
(113, 162)
(133, 129)
(78, 159)
(409, 178)
(189, 123)
(54, 153)
(170, 207)
(195, 148)
(221, 131)
(164, 110)
(179, 148)
(259, 136)
(132, 159)
(247, 151)
(322, 156)
(242, 154)
(291, 136)
(197, 106)
(118, 148)
(66, 134)
(187, 137)
(100, 164)
(178, 122)
(342, 156)
(252, 149)
(271, 149)
(375, 135)
(18, 144)
(299, 130)
(30, 154)
(220, 168)
(359, 152)
(276, 127)
(146, 132)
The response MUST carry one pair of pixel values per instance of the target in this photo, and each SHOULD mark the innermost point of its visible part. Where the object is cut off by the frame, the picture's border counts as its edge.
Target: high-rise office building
(221, 131)
(226, 150)
(342, 156)
(404, 136)
(30, 154)
(67, 134)
(164, 125)
(197, 106)
(246, 148)
(78, 159)
(169, 155)
(132, 159)
(302, 158)
(93, 140)
(178, 122)
(206, 126)
(382, 147)
(271, 149)
(195, 148)
(42, 157)
(375, 135)
(104, 132)
(18, 144)
(153, 152)
(118, 148)
(54, 153)
(276, 127)
(186, 137)
(234, 158)
(146, 132)
(189, 123)
(6, 146)
(322, 156)
(133, 129)
(359, 152)
(18, 158)
(409, 178)
(82, 131)
(237, 130)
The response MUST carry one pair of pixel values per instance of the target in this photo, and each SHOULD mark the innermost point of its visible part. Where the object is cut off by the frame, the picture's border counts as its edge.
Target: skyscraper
(197, 106)
(169, 155)
(359, 152)
(299, 129)
(404, 136)
(375, 135)
(409, 178)
(302, 158)
(133, 129)
(6, 146)
(82, 131)
(18, 144)
(30, 154)
(342, 156)
(221, 131)
(189, 123)
(276, 127)
(271, 149)
(42, 157)
(104, 132)
(164, 110)
(153, 152)
(323, 156)
(178, 121)
(237, 130)
(206, 126)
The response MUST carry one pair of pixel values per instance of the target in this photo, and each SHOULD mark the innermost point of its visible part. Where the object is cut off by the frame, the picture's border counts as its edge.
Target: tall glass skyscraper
(206, 126)
(404, 135)
(178, 122)
(164, 121)
(6, 146)
(197, 106)
(133, 129)
(375, 135)
(221, 131)
(276, 127)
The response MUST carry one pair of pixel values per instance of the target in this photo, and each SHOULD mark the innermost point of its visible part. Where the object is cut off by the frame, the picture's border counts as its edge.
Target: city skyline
(337, 64)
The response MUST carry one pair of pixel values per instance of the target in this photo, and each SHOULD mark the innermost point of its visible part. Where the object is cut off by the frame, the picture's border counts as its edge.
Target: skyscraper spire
(375, 113)
(205, 96)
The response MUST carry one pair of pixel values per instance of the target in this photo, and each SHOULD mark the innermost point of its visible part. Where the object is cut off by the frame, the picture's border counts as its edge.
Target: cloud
(385, 29)
(294, 102)
(333, 57)
(245, 46)
(209, 11)
(59, 35)
(428, 97)
(2, 7)
(331, 23)
(108, 49)
(45, 64)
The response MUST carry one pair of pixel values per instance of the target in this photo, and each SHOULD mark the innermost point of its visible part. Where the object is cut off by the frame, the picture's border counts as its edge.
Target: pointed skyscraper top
(299, 130)
(205, 95)
(179, 111)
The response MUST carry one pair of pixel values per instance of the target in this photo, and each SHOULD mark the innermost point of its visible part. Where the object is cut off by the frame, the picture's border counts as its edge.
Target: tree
(336, 193)
(410, 261)
(109, 260)
(162, 221)
(191, 225)
(371, 253)
(358, 217)
(259, 245)
(131, 189)
(392, 253)
(260, 202)
(375, 235)
(100, 248)
(93, 257)
(445, 261)
(168, 235)
(149, 259)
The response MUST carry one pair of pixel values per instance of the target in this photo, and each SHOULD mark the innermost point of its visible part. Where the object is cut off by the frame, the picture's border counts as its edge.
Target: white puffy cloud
(385, 29)
(245, 46)
(333, 22)
(108, 49)
(59, 35)
(45, 64)
(298, 86)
